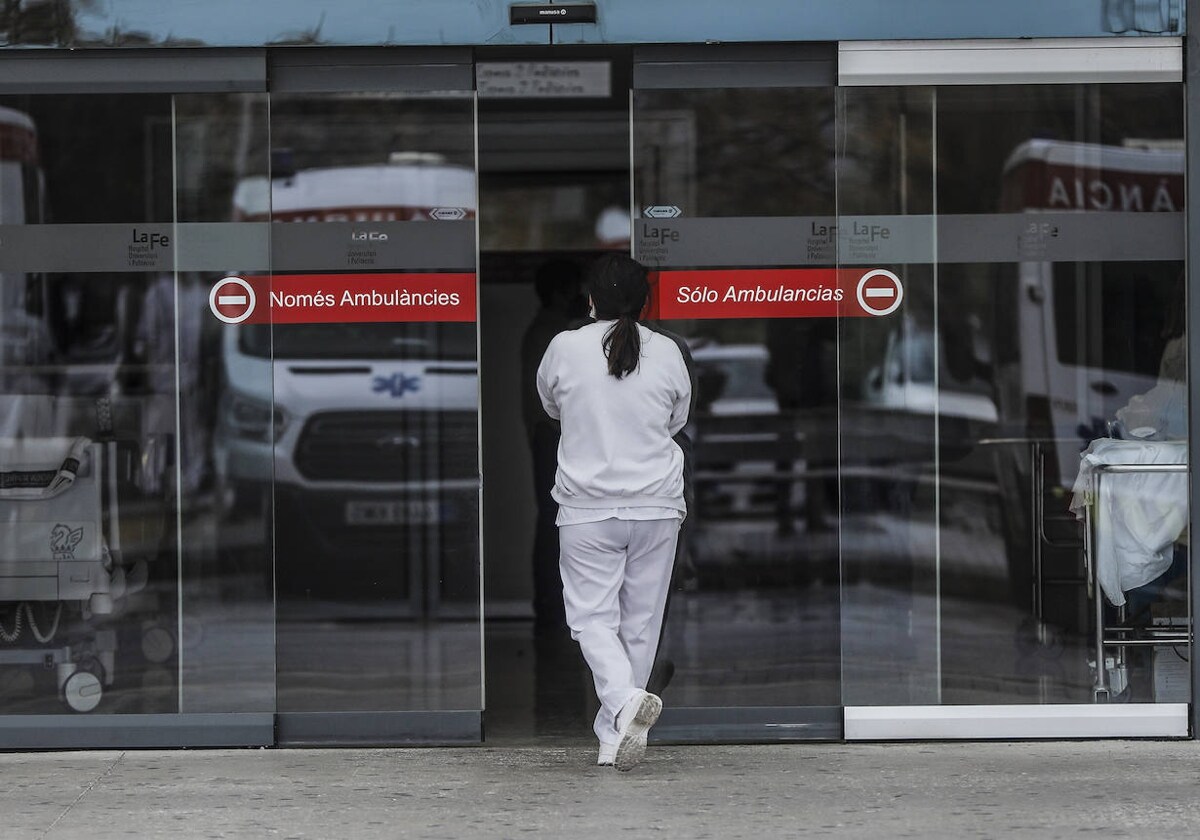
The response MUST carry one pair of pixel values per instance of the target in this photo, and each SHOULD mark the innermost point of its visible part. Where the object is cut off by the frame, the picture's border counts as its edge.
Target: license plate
(410, 512)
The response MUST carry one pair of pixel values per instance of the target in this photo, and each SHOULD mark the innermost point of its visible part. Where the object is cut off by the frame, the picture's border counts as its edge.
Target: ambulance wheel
(82, 691)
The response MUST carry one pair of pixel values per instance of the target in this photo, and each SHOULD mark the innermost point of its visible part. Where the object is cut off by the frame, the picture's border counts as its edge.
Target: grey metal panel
(734, 66)
(129, 71)
(98, 247)
(154, 247)
(1060, 237)
(417, 70)
(741, 724)
(223, 246)
(1192, 106)
(736, 241)
(1009, 62)
(410, 246)
(105, 732)
(382, 729)
(750, 241)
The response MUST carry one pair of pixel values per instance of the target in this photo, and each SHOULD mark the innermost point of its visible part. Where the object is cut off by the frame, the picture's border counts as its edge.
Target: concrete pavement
(977, 790)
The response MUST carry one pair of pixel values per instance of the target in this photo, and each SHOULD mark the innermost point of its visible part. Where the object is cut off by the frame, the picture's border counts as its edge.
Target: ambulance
(368, 430)
(1062, 369)
(1073, 337)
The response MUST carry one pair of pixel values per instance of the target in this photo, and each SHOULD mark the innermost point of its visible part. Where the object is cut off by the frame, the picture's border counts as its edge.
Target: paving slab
(975, 790)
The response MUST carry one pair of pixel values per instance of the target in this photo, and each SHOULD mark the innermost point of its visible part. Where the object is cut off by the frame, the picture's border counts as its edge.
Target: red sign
(232, 300)
(1070, 187)
(879, 292)
(348, 298)
(774, 293)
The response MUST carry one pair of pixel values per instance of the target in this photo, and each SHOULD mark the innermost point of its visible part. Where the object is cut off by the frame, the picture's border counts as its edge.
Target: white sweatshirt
(616, 449)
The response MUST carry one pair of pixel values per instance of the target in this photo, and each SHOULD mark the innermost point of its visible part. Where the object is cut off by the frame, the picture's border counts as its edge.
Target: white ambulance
(1074, 341)
(368, 430)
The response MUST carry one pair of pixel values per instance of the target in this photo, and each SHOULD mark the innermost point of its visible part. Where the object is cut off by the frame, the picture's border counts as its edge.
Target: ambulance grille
(389, 446)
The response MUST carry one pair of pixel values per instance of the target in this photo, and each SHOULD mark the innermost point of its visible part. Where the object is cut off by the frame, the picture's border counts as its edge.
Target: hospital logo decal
(64, 540)
(397, 384)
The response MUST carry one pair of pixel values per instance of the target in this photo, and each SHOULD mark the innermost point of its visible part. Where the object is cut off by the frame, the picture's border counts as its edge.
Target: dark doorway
(554, 192)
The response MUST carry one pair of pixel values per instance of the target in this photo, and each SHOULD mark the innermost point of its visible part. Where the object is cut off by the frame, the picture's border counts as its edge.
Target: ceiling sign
(543, 79)
(552, 13)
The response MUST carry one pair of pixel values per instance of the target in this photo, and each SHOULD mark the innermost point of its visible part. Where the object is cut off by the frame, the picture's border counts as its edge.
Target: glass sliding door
(889, 433)
(1013, 439)
(371, 195)
(129, 598)
(733, 201)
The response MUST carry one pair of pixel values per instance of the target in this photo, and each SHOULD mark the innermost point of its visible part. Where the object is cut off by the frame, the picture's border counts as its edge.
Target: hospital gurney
(1123, 556)
(61, 564)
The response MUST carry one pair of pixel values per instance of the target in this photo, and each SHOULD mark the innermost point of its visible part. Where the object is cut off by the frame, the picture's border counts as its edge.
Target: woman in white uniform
(620, 392)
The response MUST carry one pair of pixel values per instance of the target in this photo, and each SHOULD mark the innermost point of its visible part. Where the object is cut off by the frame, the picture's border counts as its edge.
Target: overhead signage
(345, 298)
(543, 79)
(552, 13)
(775, 293)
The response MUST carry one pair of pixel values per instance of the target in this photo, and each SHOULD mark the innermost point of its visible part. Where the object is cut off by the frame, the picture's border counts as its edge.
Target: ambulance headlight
(254, 419)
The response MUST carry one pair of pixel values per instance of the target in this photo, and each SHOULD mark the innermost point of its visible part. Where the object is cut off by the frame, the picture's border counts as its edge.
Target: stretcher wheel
(82, 691)
(92, 665)
(157, 644)
(1034, 639)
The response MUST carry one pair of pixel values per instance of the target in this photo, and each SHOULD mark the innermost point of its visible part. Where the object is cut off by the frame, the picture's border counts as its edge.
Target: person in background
(613, 229)
(558, 289)
(620, 392)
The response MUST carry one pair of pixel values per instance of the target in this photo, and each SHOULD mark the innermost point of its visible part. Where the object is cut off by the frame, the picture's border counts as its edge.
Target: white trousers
(616, 574)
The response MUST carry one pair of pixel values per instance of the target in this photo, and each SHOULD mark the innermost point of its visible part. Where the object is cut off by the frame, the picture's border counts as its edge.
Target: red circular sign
(232, 300)
(880, 292)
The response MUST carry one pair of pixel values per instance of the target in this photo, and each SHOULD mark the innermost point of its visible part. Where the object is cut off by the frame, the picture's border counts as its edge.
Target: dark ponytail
(623, 346)
(618, 288)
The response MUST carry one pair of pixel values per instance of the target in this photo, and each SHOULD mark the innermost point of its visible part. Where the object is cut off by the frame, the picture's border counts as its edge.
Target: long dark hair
(618, 288)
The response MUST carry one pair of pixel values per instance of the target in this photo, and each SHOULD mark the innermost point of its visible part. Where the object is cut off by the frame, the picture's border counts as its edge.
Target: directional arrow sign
(447, 214)
(662, 211)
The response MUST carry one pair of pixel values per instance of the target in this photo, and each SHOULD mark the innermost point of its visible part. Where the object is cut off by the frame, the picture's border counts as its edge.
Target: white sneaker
(633, 724)
(608, 754)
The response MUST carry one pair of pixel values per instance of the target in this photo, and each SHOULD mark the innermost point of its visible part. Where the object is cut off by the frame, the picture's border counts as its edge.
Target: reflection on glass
(117, 593)
(226, 557)
(375, 461)
(515, 216)
(753, 617)
(1045, 336)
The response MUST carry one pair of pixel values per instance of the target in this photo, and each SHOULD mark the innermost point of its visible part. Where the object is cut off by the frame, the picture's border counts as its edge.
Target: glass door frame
(422, 73)
(664, 67)
(694, 69)
(161, 72)
(933, 65)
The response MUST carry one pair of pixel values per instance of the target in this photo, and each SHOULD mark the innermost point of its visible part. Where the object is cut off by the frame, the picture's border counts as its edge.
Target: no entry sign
(232, 300)
(775, 293)
(879, 292)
